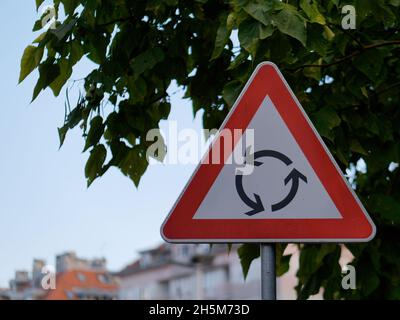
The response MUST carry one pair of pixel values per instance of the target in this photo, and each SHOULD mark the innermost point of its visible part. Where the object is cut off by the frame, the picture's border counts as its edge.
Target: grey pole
(268, 275)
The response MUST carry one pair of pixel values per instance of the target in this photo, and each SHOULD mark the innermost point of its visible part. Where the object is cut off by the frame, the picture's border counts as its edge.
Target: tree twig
(393, 85)
(348, 34)
(115, 21)
(348, 57)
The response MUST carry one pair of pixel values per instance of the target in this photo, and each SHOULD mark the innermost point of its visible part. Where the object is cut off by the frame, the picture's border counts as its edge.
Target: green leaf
(318, 265)
(370, 63)
(62, 132)
(283, 265)
(367, 279)
(134, 164)
(325, 120)
(171, 3)
(249, 33)
(38, 25)
(48, 73)
(387, 207)
(231, 91)
(258, 12)
(280, 47)
(266, 31)
(329, 34)
(313, 72)
(164, 110)
(247, 253)
(310, 7)
(70, 6)
(316, 39)
(97, 47)
(94, 164)
(40, 38)
(38, 4)
(357, 147)
(282, 262)
(311, 286)
(238, 60)
(290, 22)
(222, 37)
(30, 60)
(95, 132)
(312, 258)
(147, 60)
(74, 117)
(76, 52)
(137, 88)
(64, 75)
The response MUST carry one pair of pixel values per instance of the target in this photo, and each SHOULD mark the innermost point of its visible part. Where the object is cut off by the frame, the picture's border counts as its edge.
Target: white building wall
(221, 279)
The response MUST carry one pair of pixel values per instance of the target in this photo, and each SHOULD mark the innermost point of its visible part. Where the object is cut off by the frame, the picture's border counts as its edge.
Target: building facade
(188, 271)
(26, 285)
(75, 279)
(70, 261)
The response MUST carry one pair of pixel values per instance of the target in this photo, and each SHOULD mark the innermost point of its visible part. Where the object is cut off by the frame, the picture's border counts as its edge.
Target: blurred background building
(74, 278)
(70, 261)
(26, 286)
(168, 271)
(188, 271)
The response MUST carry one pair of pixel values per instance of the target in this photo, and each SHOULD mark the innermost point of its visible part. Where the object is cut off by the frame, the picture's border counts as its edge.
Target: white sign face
(268, 180)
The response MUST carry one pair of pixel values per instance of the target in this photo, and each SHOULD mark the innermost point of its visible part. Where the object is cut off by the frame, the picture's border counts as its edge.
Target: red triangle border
(355, 225)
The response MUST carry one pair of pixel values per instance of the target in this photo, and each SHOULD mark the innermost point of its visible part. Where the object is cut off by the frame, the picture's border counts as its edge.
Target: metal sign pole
(268, 274)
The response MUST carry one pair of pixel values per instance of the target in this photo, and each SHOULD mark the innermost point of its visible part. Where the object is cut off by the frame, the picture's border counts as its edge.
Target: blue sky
(45, 207)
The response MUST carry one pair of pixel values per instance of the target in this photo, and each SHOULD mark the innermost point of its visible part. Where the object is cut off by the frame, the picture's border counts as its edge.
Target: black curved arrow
(269, 153)
(257, 206)
(295, 176)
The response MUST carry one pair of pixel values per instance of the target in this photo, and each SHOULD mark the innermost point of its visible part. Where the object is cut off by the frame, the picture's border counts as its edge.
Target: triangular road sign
(295, 193)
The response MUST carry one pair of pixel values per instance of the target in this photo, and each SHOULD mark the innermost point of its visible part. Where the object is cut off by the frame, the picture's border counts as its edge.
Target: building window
(214, 279)
(70, 294)
(104, 278)
(81, 277)
(182, 288)
(145, 260)
(185, 251)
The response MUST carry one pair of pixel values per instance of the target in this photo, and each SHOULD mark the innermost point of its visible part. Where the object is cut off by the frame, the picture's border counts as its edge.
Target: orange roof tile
(75, 280)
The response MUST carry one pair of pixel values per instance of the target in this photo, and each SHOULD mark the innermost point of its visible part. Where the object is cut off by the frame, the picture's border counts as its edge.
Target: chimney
(37, 274)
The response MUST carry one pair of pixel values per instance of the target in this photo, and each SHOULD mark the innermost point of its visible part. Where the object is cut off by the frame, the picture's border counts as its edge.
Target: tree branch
(348, 34)
(348, 57)
(395, 84)
(115, 21)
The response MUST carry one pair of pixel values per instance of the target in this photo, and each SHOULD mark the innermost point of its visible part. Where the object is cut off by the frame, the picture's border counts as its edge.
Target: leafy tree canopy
(347, 80)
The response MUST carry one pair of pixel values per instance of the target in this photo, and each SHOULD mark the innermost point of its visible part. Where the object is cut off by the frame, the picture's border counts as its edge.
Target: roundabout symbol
(257, 205)
(326, 210)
